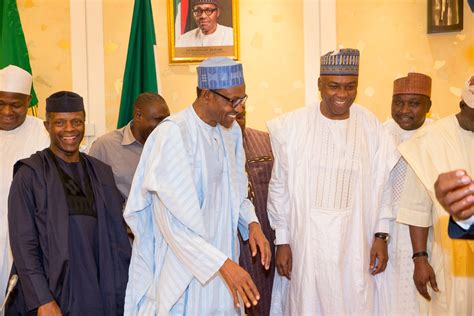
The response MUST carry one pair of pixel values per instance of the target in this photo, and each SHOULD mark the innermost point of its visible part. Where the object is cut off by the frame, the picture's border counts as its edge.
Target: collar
(128, 137)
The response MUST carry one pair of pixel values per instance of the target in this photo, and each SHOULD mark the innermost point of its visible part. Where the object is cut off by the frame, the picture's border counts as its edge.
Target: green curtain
(140, 69)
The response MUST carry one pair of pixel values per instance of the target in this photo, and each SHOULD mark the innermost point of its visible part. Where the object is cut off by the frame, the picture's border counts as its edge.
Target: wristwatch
(384, 236)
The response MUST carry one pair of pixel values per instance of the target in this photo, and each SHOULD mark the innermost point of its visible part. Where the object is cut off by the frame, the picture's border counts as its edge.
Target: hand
(239, 281)
(378, 251)
(258, 240)
(422, 275)
(49, 309)
(284, 260)
(455, 191)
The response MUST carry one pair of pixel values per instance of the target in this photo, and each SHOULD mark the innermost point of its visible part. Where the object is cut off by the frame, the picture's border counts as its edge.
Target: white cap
(14, 79)
(468, 92)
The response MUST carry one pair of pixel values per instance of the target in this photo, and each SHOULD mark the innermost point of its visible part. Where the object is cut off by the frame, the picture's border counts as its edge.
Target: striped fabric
(259, 169)
(163, 211)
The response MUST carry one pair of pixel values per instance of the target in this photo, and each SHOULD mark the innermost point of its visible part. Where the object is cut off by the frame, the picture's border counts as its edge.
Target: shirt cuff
(414, 218)
(281, 236)
(37, 293)
(208, 268)
(465, 224)
(383, 226)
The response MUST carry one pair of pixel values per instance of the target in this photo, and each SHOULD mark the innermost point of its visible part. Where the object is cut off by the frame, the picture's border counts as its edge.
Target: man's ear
(319, 83)
(137, 114)
(206, 94)
(46, 125)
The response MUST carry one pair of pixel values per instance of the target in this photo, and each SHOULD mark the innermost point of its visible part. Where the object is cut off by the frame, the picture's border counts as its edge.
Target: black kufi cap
(64, 101)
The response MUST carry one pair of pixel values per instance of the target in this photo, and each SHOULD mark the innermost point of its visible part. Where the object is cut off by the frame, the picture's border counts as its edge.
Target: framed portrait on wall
(445, 16)
(198, 29)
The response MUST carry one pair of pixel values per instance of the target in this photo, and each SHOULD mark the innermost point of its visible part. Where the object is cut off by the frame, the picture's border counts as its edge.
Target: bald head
(149, 110)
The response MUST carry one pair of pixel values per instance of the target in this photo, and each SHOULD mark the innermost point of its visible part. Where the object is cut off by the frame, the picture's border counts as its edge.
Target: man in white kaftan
(20, 136)
(187, 200)
(447, 264)
(410, 104)
(328, 196)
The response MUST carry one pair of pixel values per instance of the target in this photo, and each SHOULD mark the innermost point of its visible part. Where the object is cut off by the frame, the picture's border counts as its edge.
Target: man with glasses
(208, 32)
(188, 198)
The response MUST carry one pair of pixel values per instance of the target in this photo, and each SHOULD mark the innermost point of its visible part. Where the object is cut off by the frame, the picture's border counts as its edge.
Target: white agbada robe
(328, 195)
(440, 147)
(16, 144)
(188, 198)
(398, 286)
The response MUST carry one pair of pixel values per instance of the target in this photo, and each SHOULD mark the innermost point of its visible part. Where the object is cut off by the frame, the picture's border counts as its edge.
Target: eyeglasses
(199, 11)
(235, 102)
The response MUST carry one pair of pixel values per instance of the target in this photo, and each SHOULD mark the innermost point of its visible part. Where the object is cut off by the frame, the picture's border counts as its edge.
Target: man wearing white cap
(445, 263)
(20, 136)
(329, 198)
(188, 198)
(410, 104)
(208, 32)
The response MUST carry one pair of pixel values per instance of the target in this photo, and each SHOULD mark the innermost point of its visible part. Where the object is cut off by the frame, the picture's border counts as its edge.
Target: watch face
(383, 236)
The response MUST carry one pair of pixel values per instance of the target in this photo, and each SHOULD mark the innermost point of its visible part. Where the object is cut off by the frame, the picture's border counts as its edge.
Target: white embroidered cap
(14, 79)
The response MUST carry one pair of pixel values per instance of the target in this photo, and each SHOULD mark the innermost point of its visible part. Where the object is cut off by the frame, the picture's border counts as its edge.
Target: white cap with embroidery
(14, 79)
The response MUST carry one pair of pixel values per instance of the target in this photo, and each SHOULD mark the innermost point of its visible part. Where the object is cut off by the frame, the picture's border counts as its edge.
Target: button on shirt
(121, 151)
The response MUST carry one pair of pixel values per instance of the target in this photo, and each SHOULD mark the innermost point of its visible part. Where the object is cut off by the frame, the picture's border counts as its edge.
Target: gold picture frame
(186, 40)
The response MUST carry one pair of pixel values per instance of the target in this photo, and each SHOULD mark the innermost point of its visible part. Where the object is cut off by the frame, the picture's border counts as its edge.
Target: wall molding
(319, 38)
(87, 56)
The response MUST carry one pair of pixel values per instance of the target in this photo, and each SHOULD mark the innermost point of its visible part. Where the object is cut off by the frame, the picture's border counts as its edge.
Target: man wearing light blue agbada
(188, 198)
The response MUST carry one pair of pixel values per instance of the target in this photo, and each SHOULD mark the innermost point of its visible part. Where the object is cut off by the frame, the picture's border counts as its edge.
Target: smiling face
(409, 110)
(207, 24)
(13, 109)
(219, 110)
(337, 95)
(66, 130)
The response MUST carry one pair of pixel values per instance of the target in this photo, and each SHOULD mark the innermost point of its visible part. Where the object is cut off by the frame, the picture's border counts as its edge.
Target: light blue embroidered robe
(172, 247)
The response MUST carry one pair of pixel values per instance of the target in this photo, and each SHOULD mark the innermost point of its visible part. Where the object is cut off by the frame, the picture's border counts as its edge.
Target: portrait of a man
(199, 29)
(209, 32)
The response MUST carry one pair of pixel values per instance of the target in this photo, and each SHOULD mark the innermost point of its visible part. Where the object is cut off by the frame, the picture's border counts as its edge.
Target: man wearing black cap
(69, 243)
